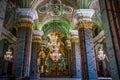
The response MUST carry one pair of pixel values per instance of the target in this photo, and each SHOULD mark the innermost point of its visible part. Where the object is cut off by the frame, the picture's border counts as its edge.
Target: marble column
(88, 61)
(75, 57)
(25, 18)
(111, 27)
(36, 40)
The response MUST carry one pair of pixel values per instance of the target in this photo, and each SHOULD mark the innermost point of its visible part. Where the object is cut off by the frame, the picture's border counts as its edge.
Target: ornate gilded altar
(55, 58)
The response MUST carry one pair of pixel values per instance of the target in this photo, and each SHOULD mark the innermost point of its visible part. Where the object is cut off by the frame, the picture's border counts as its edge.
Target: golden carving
(36, 40)
(55, 69)
(42, 57)
(25, 24)
(74, 40)
(85, 24)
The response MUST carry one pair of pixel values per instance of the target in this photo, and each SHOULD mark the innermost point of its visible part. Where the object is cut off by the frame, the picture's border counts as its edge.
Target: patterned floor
(12, 78)
(100, 78)
(60, 79)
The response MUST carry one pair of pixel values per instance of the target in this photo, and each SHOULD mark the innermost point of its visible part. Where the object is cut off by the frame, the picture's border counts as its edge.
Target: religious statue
(8, 56)
(41, 61)
(101, 56)
(102, 62)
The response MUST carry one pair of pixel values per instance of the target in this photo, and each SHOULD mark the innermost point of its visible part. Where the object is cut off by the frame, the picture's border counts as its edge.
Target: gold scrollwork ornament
(85, 24)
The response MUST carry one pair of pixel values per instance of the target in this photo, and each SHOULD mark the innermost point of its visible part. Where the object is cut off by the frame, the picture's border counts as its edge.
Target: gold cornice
(85, 24)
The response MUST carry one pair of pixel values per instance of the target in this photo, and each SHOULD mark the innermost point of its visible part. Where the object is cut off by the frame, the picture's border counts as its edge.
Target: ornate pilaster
(36, 40)
(25, 18)
(75, 57)
(84, 26)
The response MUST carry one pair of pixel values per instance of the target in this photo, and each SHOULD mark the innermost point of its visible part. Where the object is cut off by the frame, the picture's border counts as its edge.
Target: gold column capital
(85, 24)
(25, 17)
(25, 24)
(74, 40)
(37, 40)
(84, 18)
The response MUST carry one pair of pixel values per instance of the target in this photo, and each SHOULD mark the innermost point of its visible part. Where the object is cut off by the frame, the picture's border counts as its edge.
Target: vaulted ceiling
(46, 21)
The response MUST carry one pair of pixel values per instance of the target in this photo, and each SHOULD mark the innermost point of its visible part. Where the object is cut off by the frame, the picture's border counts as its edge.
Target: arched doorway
(53, 55)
